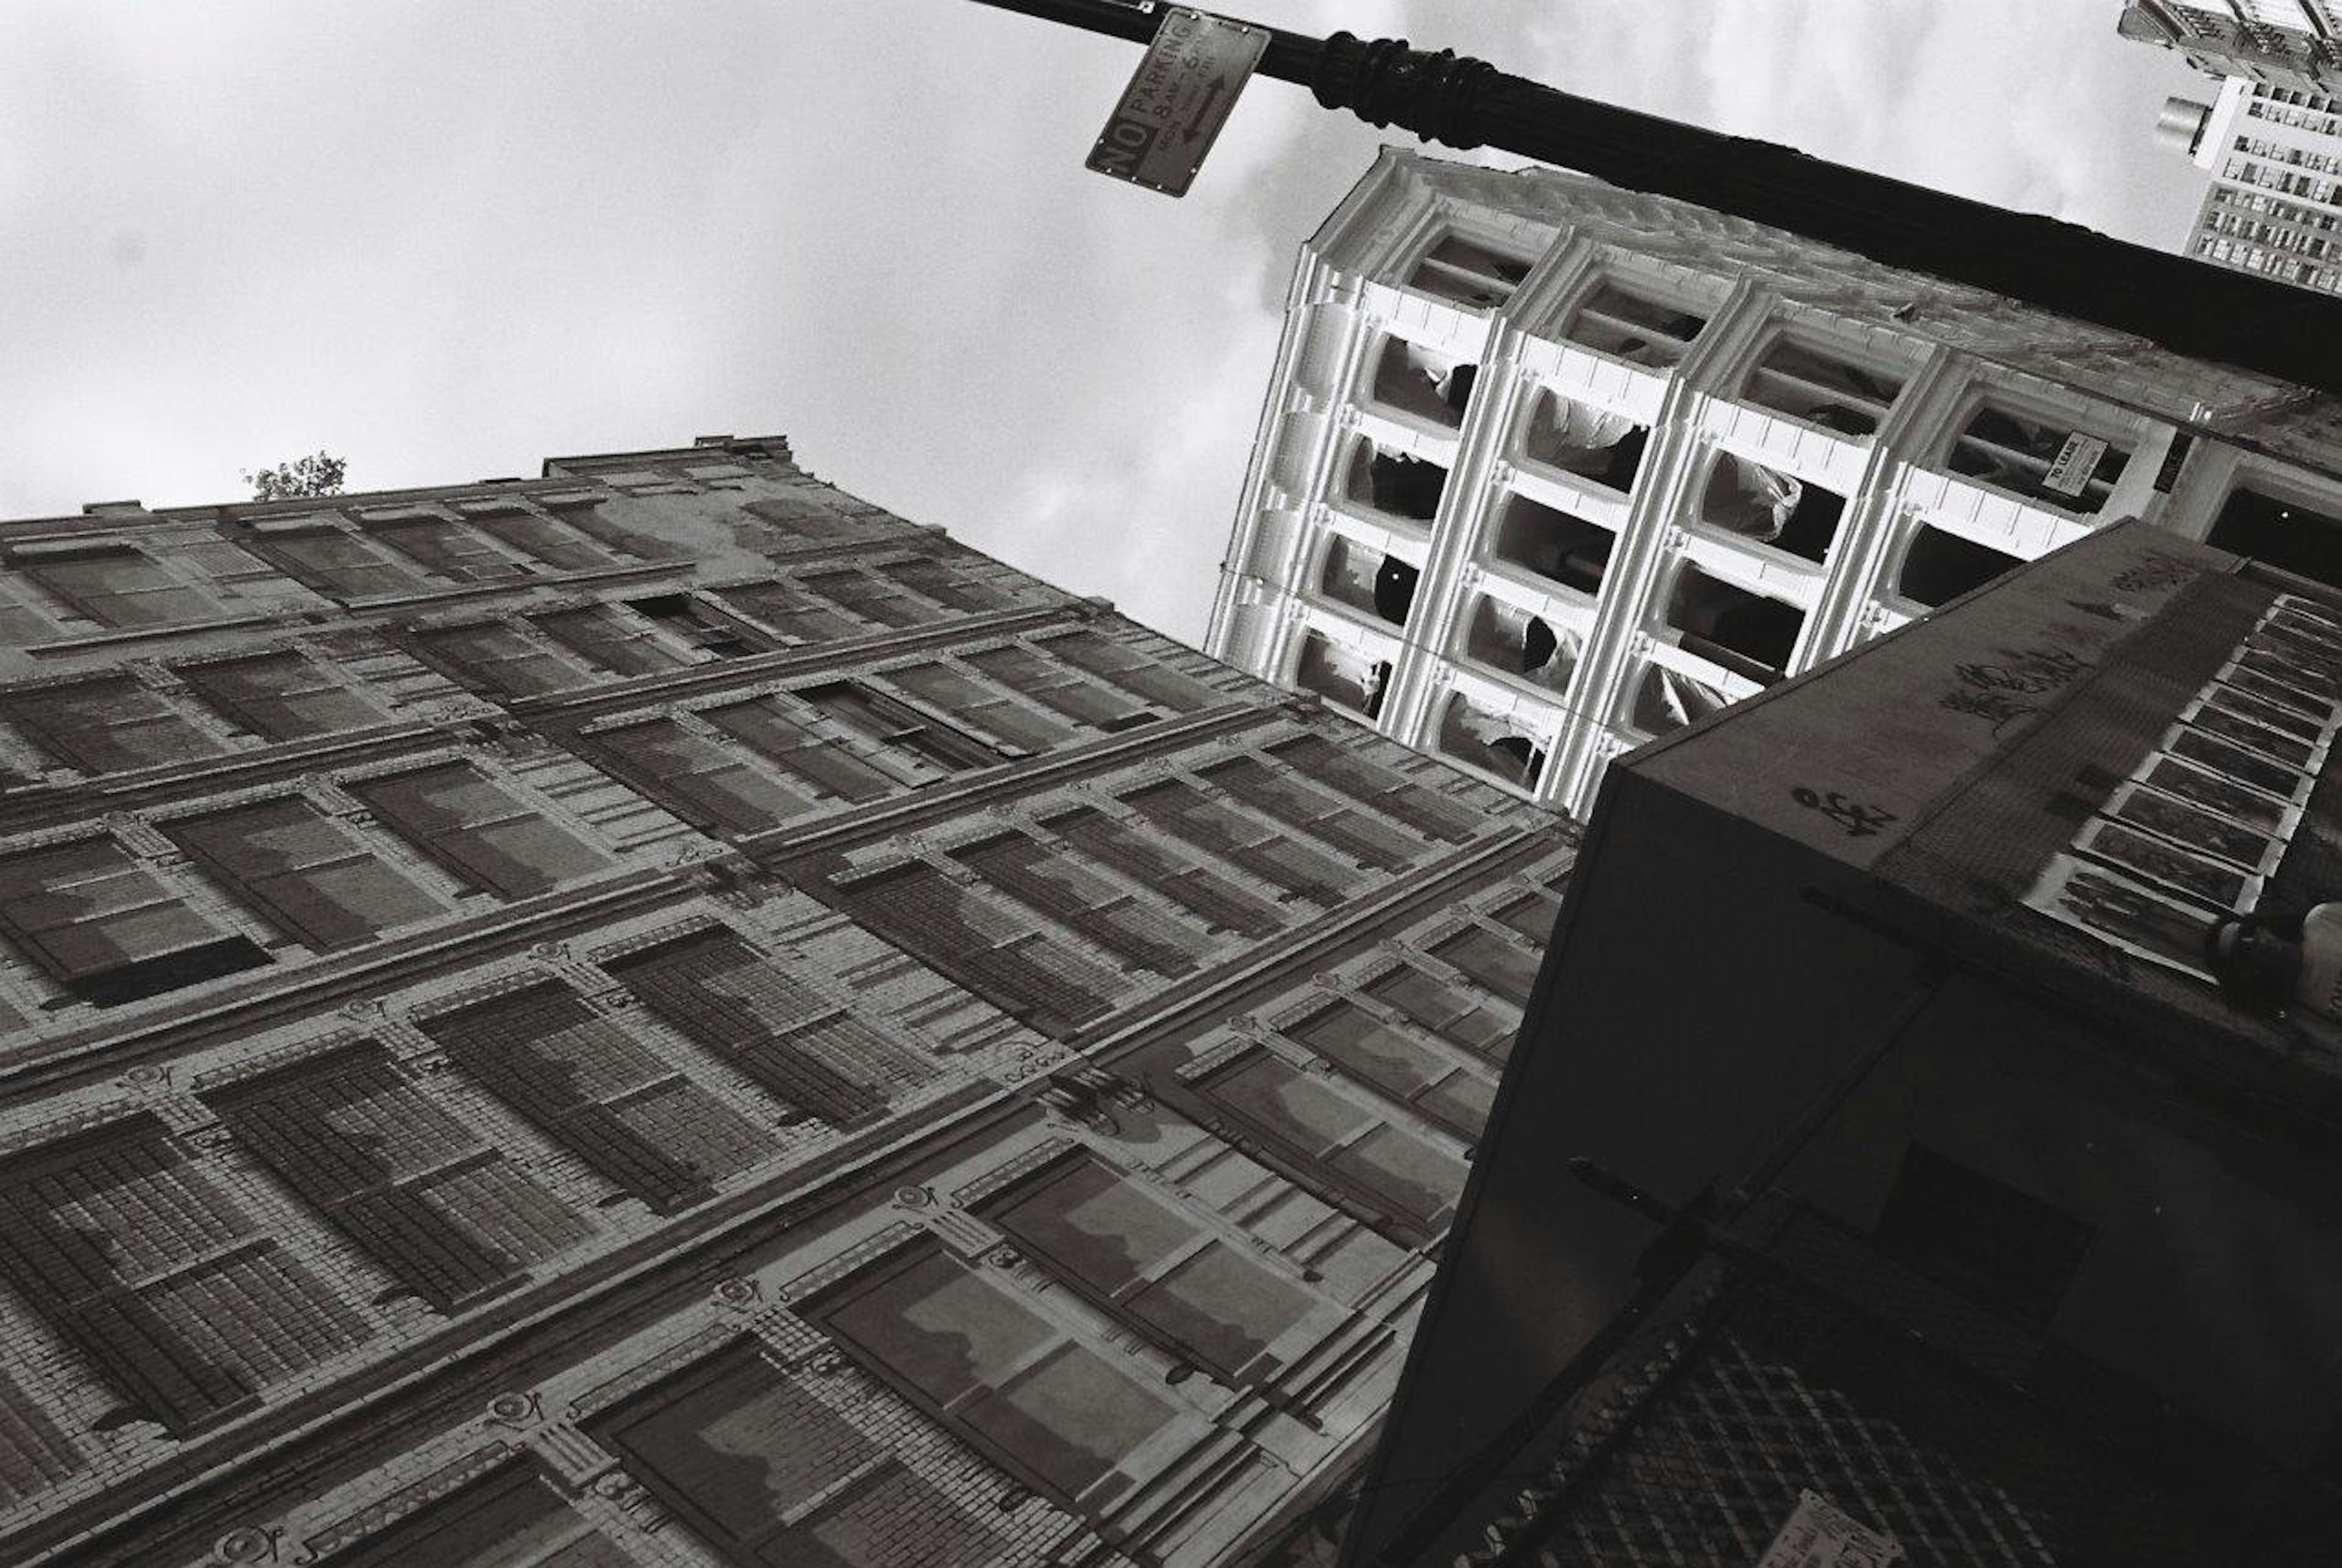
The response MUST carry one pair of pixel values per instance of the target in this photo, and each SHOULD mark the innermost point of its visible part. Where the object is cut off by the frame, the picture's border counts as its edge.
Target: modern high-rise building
(1548, 469)
(2292, 43)
(2275, 202)
(665, 1015)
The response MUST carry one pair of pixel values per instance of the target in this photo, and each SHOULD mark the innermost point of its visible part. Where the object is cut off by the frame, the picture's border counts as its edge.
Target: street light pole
(2190, 307)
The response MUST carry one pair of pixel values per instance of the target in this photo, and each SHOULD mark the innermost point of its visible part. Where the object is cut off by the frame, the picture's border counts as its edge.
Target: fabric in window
(1408, 1177)
(283, 697)
(106, 725)
(108, 929)
(304, 871)
(700, 777)
(477, 831)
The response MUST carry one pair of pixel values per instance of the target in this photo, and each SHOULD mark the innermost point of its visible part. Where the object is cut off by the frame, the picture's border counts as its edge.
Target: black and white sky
(447, 238)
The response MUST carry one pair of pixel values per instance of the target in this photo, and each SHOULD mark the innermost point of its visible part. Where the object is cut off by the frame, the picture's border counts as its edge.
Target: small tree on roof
(320, 473)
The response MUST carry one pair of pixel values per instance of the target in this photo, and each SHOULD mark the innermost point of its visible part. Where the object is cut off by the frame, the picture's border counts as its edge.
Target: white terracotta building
(1548, 469)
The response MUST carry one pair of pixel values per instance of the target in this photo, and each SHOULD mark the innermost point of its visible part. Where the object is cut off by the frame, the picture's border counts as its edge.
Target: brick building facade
(665, 1015)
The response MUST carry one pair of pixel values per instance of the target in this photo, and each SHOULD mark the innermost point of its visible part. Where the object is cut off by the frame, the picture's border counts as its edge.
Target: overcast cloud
(447, 240)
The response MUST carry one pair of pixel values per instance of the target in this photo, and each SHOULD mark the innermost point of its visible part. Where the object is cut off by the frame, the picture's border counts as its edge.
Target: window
(1627, 323)
(1081, 901)
(715, 990)
(1512, 642)
(1265, 852)
(1938, 567)
(960, 1341)
(162, 1284)
(1387, 1058)
(116, 586)
(1495, 964)
(896, 727)
(510, 1518)
(106, 725)
(1038, 676)
(699, 776)
(1748, 633)
(695, 624)
(866, 597)
(476, 831)
(1533, 915)
(106, 929)
(2038, 457)
(1554, 544)
(1415, 380)
(556, 543)
(1213, 899)
(1341, 675)
(281, 696)
(1383, 789)
(1993, 1244)
(1821, 386)
(2284, 532)
(770, 1475)
(1141, 675)
(35, 1455)
(444, 549)
(778, 736)
(337, 563)
(1399, 1174)
(959, 933)
(20, 626)
(1394, 484)
(948, 583)
(979, 704)
(1664, 701)
(793, 615)
(439, 1209)
(1468, 273)
(502, 657)
(591, 1087)
(1365, 579)
(1458, 1015)
(1282, 797)
(1499, 746)
(1150, 1267)
(1585, 440)
(304, 872)
(1746, 498)
(606, 637)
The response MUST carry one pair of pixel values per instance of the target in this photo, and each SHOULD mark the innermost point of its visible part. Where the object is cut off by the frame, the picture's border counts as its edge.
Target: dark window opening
(1580, 438)
(1664, 701)
(1984, 1238)
(1394, 583)
(1746, 632)
(695, 624)
(1507, 638)
(1554, 544)
(1493, 744)
(2039, 459)
(1354, 575)
(1821, 388)
(896, 726)
(1340, 675)
(1469, 273)
(1415, 380)
(1396, 484)
(2284, 534)
(1762, 504)
(1627, 324)
(1940, 567)
(103, 927)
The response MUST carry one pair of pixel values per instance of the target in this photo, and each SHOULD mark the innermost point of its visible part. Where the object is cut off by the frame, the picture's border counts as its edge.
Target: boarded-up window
(283, 697)
(1140, 673)
(770, 1475)
(950, 584)
(699, 777)
(1213, 899)
(340, 564)
(1461, 1016)
(1161, 1272)
(510, 1518)
(106, 929)
(556, 543)
(898, 728)
(447, 549)
(794, 614)
(106, 725)
(478, 831)
(304, 871)
(1393, 1061)
(1504, 967)
(1261, 848)
(959, 934)
(162, 1283)
(979, 704)
(1059, 687)
(715, 989)
(1405, 1176)
(776, 734)
(600, 1093)
(611, 639)
(866, 597)
(1084, 903)
(1285, 798)
(964, 1344)
(118, 586)
(504, 658)
(445, 1215)
(1380, 788)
